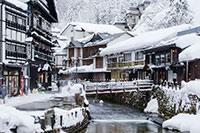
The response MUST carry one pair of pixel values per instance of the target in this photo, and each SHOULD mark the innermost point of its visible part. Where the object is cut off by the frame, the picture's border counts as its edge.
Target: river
(114, 118)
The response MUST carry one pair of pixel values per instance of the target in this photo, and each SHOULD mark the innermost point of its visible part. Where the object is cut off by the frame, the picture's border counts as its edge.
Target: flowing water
(114, 118)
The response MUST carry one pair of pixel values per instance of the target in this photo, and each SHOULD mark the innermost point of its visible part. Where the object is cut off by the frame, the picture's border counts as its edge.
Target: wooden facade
(41, 17)
(13, 48)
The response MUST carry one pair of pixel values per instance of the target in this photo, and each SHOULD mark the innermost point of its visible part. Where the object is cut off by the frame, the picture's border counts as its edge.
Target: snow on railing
(110, 87)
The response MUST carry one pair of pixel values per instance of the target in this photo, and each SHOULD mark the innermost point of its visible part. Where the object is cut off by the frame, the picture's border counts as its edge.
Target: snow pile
(71, 89)
(19, 4)
(192, 87)
(152, 106)
(11, 118)
(184, 123)
(145, 40)
(69, 117)
(190, 53)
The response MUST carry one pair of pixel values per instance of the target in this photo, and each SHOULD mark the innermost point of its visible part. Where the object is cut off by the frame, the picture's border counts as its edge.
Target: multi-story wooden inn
(13, 17)
(42, 13)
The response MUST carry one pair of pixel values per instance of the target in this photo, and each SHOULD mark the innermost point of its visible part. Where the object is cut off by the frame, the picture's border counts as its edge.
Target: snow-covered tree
(163, 14)
(93, 11)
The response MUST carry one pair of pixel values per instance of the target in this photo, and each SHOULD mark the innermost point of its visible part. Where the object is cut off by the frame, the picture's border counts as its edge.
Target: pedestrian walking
(3, 91)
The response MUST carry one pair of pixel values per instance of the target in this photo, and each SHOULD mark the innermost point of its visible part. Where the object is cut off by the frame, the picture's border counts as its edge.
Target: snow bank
(152, 106)
(11, 118)
(69, 117)
(145, 40)
(184, 123)
(190, 53)
(20, 100)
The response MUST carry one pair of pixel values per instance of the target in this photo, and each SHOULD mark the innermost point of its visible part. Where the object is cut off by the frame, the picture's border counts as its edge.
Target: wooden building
(41, 13)
(13, 16)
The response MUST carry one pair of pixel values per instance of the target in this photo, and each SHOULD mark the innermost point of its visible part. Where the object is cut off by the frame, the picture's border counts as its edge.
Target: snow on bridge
(117, 87)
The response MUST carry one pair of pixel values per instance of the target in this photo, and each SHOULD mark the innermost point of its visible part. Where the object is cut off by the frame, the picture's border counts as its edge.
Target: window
(112, 60)
(9, 17)
(157, 60)
(162, 58)
(20, 21)
(23, 37)
(8, 34)
(168, 58)
(127, 57)
(14, 34)
(139, 56)
(150, 59)
(18, 36)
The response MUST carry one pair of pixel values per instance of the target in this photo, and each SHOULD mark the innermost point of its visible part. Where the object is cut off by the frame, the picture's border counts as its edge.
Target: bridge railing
(137, 85)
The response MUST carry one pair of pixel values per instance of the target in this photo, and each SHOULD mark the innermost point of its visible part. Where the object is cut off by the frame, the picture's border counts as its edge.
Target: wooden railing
(117, 87)
(119, 65)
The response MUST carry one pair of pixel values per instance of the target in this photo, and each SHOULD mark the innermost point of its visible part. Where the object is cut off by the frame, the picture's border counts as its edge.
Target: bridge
(117, 87)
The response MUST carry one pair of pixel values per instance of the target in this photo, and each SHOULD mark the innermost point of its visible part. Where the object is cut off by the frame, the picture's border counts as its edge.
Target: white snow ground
(11, 117)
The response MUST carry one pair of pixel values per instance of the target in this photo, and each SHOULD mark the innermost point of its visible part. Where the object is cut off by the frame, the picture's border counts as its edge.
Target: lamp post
(187, 65)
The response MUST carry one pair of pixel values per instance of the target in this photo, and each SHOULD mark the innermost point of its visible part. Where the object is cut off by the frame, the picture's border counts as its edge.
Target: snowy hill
(167, 13)
(93, 11)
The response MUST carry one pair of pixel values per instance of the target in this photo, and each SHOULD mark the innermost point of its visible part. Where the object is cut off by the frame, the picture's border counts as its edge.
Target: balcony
(123, 65)
(43, 56)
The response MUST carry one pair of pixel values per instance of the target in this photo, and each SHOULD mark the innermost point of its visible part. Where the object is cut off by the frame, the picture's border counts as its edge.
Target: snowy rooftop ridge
(190, 53)
(145, 40)
(95, 28)
(19, 3)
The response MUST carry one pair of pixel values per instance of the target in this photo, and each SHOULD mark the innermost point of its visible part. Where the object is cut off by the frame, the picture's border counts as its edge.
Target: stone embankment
(170, 102)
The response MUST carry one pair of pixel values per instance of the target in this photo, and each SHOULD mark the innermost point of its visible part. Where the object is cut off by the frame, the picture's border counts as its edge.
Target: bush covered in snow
(172, 102)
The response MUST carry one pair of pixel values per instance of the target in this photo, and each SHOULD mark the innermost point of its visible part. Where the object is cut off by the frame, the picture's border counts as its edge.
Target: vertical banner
(22, 85)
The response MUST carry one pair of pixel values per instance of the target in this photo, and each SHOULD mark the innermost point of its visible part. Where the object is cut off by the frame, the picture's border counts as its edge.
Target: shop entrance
(12, 80)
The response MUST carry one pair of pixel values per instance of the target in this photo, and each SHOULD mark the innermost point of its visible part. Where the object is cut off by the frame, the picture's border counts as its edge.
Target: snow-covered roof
(145, 40)
(190, 53)
(62, 45)
(180, 41)
(83, 69)
(95, 28)
(19, 3)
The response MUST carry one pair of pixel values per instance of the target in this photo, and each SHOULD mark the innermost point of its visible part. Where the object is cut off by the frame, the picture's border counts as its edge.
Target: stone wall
(137, 100)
